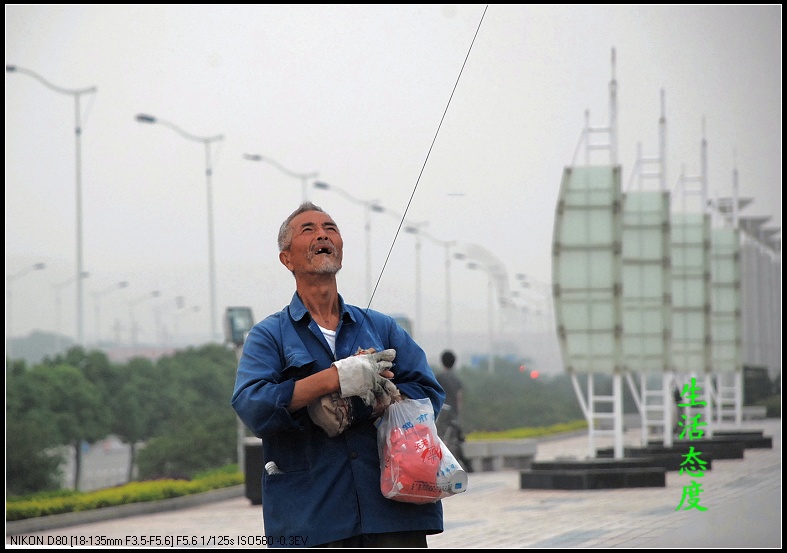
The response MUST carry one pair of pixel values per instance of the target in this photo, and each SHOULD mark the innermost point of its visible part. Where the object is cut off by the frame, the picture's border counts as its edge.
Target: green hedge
(46, 504)
(69, 501)
(537, 432)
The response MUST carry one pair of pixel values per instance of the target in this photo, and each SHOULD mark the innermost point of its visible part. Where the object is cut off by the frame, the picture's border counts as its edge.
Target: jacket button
(353, 455)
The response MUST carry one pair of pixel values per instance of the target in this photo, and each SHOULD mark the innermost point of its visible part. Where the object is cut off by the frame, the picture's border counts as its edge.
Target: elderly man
(322, 356)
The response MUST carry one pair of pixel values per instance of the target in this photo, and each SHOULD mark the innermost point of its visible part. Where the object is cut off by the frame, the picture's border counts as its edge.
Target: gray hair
(285, 231)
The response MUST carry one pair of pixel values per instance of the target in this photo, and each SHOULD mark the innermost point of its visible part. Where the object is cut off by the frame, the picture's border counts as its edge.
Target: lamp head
(10, 68)
(252, 157)
(321, 185)
(143, 118)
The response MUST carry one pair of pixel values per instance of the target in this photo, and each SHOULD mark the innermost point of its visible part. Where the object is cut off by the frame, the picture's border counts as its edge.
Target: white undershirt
(330, 336)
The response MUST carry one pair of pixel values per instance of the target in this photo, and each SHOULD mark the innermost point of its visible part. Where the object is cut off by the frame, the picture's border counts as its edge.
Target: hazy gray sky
(355, 93)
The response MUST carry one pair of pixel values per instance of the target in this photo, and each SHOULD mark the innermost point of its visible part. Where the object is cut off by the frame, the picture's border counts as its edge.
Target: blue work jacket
(329, 488)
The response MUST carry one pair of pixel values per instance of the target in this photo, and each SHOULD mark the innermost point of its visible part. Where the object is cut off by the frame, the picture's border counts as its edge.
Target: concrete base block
(593, 478)
(495, 455)
(715, 448)
(752, 439)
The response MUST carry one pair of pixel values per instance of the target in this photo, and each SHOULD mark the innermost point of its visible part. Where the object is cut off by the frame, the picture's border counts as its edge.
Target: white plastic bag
(415, 464)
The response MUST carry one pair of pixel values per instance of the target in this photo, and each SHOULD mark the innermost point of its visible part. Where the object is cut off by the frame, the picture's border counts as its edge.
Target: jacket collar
(298, 311)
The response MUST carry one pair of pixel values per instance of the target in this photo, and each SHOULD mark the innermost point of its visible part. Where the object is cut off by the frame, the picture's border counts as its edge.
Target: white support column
(617, 409)
(669, 408)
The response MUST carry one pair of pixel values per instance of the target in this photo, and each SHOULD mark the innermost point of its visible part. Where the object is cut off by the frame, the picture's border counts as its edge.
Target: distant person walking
(449, 422)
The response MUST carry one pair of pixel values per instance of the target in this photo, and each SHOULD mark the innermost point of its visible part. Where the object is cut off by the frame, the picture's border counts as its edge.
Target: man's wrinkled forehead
(312, 219)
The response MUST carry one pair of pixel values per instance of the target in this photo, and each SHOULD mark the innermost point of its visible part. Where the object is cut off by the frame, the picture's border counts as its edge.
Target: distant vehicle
(237, 323)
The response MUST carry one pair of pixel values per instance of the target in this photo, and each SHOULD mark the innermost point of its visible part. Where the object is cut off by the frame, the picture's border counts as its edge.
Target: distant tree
(509, 398)
(31, 461)
(198, 379)
(98, 369)
(30, 465)
(178, 407)
(139, 408)
(15, 366)
(204, 440)
(197, 425)
(77, 410)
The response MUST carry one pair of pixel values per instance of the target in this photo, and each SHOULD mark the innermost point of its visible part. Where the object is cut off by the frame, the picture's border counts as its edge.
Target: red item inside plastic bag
(413, 456)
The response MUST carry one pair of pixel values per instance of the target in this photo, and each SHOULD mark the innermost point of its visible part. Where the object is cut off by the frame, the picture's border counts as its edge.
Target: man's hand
(359, 375)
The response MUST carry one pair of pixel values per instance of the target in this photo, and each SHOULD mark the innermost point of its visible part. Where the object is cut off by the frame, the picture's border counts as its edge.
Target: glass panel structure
(727, 340)
(646, 295)
(761, 305)
(691, 298)
(586, 269)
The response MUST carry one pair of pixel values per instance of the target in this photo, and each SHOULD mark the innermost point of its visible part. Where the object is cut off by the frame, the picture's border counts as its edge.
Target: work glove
(334, 414)
(359, 375)
(388, 395)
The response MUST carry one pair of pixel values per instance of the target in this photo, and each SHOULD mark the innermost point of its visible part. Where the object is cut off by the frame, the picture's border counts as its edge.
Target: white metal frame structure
(647, 304)
(587, 284)
(587, 276)
(725, 321)
(647, 294)
(760, 296)
(646, 283)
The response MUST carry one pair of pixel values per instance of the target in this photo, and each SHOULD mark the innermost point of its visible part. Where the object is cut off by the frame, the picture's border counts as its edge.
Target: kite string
(412, 195)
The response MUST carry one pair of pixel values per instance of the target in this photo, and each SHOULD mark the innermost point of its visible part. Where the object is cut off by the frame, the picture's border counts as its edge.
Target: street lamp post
(57, 287)
(369, 206)
(142, 118)
(76, 93)
(415, 228)
(459, 256)
(489, 308)
(448, 316)
(131, 304)
(176, 320)
(9, 279)
(412, 228)
(161, 328)
(498, 280)
(303, 176)
(540, 294)
(531, 339)
(97, 301)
